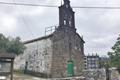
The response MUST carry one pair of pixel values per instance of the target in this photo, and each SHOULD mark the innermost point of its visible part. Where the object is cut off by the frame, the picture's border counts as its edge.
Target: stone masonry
(38, 55)
(67, 45)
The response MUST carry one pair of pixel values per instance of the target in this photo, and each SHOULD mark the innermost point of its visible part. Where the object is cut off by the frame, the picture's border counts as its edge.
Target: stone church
(50, 55)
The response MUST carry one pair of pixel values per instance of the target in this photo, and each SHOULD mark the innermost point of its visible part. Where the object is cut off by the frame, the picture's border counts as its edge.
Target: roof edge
(37, 39)
(81, 38)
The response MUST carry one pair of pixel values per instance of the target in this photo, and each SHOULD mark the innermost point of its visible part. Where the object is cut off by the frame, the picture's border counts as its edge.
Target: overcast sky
(99, 27)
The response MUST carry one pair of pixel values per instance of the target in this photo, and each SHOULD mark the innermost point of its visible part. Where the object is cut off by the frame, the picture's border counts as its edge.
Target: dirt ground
(18, 76)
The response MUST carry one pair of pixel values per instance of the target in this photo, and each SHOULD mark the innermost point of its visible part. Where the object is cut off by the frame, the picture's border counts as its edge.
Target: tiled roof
(7, 55)
(37, 39)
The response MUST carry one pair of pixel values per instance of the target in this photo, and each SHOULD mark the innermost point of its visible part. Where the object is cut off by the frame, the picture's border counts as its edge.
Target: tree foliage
(115, 54)
(11, 45)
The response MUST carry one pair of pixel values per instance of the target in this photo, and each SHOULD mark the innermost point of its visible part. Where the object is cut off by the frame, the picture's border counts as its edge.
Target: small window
(64, 22)
(66, 6)
(70, 23)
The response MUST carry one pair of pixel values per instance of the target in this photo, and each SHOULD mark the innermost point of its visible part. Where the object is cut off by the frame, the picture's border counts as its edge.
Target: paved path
(26, 77)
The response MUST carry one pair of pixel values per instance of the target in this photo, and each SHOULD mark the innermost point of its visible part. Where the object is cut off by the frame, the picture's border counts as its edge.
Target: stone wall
(69, 78)
(67, 44)
(95, 74)
(37, 55)
(114, 75)
(100, 74)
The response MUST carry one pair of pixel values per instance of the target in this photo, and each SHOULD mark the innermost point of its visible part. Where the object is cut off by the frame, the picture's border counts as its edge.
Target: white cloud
(7, 23)
(103, 40)
(29, 11)
(100, 28)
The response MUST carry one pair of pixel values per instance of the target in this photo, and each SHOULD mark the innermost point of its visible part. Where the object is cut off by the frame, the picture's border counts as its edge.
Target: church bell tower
(68, 46)
(66, 16)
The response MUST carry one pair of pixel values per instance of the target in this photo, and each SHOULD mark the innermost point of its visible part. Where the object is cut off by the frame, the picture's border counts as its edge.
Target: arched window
(64, 22)
(70, 23)
(67, 6)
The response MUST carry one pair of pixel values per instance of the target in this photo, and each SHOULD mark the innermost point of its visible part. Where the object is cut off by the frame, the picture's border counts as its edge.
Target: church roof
(37, 39)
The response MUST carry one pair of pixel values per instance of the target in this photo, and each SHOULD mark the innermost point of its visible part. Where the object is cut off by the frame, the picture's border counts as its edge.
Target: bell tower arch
(66, 15)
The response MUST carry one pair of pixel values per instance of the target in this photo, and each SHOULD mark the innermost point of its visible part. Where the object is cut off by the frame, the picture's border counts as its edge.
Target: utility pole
(107, 71)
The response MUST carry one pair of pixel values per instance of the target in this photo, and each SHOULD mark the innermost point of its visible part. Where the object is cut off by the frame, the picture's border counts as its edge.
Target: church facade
(50, 55)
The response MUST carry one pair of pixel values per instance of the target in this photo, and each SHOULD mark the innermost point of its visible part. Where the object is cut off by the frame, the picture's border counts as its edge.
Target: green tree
(11, 45)
(115, 55)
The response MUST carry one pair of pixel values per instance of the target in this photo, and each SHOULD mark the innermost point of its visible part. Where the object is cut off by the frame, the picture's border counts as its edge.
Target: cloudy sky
(100, 27)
